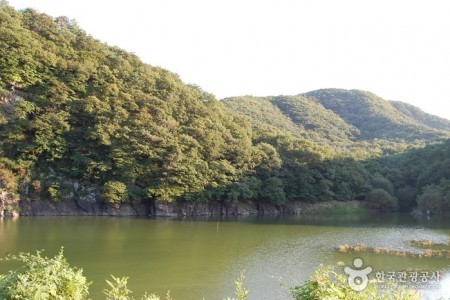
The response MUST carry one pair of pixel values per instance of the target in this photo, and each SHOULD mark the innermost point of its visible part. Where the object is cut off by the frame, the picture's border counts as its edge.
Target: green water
(195, 258)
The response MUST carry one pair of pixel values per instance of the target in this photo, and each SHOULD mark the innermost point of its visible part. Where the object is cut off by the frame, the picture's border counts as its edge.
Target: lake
(201, 257)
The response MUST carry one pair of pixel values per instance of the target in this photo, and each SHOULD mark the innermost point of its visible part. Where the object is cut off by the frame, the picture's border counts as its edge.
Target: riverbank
(167, 209)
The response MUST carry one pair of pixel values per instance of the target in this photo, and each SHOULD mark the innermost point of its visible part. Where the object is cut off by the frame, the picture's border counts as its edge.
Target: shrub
(327, 284)
(8, 181)
(53, 191)
(37, 186)
(118, 289)
(114, 192)
(136, 193)
(241, 291)
(42, 278)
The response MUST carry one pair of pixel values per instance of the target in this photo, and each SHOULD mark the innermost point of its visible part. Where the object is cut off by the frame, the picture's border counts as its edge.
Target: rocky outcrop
(90, 206)
(204, 209)
(80, 208)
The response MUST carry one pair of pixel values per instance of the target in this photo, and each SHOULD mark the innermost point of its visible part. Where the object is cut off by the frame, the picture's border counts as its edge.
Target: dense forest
(78, 116)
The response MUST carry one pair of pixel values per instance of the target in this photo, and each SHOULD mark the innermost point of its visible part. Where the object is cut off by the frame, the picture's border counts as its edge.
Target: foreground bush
(118, 290)
(42, 278)
(327, 284)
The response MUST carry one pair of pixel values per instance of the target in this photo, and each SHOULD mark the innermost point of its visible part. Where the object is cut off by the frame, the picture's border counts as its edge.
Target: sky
(399, 50)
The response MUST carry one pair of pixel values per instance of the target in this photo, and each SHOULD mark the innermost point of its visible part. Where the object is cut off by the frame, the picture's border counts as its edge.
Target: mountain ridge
(347, 116)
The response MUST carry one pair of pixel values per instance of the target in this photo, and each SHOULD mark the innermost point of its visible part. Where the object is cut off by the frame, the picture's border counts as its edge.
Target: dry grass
(427, 243)
(426, 252)
(343, 248)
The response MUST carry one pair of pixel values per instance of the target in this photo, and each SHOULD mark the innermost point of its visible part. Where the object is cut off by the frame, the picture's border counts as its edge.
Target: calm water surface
(195, 258)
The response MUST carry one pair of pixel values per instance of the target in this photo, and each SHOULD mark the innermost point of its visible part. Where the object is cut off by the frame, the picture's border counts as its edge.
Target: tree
(380, 182)
(406, 197)
(8, 181)
(435, 198)
(381, 200)
(8, 188)
(115, 192)
(272, 190)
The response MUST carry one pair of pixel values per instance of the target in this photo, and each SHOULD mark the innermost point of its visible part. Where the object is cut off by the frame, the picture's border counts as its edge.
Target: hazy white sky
(399, 50)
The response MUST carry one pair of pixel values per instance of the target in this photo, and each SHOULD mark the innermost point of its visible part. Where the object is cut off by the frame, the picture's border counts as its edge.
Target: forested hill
(378, 118)
(420, 116)
(80, 119)
(75, 109)
(342, 116)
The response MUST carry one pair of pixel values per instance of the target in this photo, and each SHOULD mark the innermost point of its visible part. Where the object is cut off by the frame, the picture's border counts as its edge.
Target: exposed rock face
(81, 208)
(205, 209)
(90, 206)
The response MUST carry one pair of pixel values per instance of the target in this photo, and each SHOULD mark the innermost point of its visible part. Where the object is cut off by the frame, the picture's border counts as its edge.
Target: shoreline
(167, 209)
